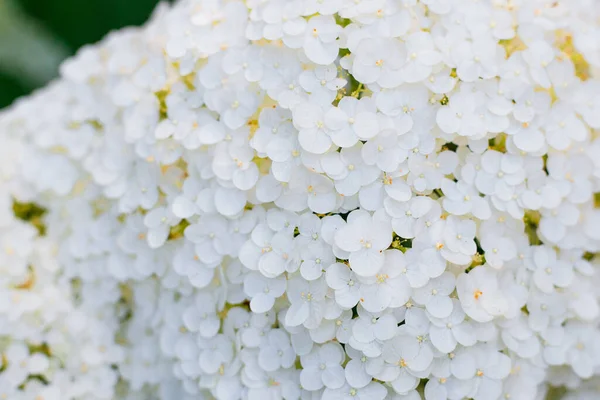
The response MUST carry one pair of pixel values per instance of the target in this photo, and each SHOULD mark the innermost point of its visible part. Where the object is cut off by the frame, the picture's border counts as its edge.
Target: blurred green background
(35, 35)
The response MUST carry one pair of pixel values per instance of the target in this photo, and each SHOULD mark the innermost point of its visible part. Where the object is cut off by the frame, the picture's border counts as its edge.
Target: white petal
(261, 303)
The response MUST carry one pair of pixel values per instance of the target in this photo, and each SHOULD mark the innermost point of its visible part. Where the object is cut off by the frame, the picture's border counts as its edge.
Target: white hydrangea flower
(365, 237)
(263, 291)
(479, 294)
(370, 331)
(434, 295)
(320, 40)
(322, 367)
(309, 199)
(379, 60)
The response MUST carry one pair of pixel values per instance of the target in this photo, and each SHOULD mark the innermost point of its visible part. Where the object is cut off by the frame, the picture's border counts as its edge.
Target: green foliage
(75, 23)
(32, 213)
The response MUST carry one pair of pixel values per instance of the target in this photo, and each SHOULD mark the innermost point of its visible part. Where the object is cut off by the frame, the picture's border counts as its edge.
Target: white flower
(544, 309)
(201, 316)
(320, 37)
(498, 249)
(441, 82)
(210, 236)
(393, 191)
(434, 295)
(589, 107)
(445, 333)
(387, 187)
(427, 173)
(373, 390)
(528, 137)
(187, 263)
(550, 272)
(339, 328)
(314, 135)
(281, 221)
(416, 326)
(277, 351)
(405, 105)
(270, 253)
(483, 20)
(479, 294)
(282, 20)
(233, 161)
(322, 83)
(384, 151)
(229, 202)
(355, 371)
(379, 60)
(322, 7)
(460, 115)
(263, 291)
(273, 123)
(519, 338)
(215, 353)
(247, 62)
(322, 367)
(563, 127)
(315, 258)
(348, 170)
(265, 384)
(388, 288)
(404, 361)
(365, 237)
(184, 205)
(306, 300)
(458, 238)
(345, 283)
(405, 215)
(538, 56)
(21, 363)
(423, 262)
(477, 59)
(311, 190)
(490, 368)
(498, 173)
(529, 104)
(422, 56)
(235, 106)
(352, 120)
(582, 358)
(370, 330)
(159, 222)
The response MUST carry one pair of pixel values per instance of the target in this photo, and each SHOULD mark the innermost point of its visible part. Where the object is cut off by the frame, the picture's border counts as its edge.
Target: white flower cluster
(304, 199)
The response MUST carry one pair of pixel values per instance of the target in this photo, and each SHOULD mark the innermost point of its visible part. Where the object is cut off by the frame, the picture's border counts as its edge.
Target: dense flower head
(301, 199)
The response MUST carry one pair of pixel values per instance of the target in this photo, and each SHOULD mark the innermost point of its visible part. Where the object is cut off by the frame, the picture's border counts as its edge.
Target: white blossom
(285, 199)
